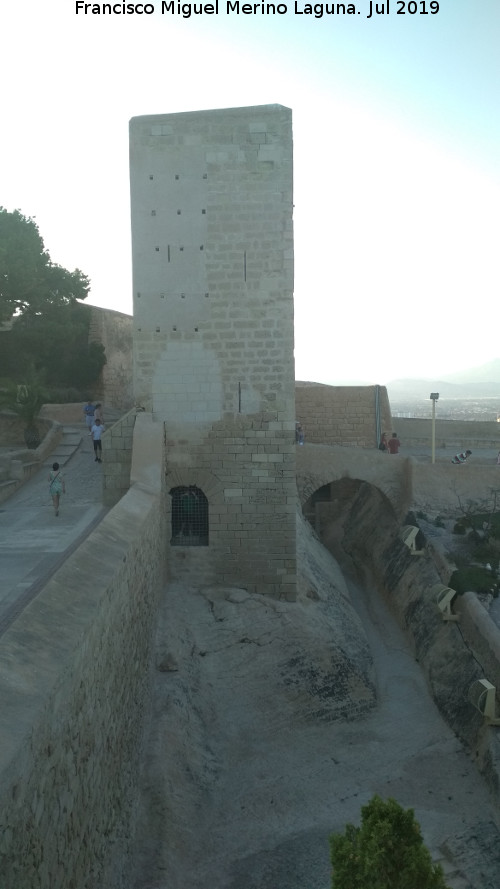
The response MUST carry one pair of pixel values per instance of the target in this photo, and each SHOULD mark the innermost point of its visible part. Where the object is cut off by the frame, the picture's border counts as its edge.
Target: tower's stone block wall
(212, 241)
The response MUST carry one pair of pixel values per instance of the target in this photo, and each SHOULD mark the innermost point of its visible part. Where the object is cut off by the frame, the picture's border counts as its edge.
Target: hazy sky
(396, 147)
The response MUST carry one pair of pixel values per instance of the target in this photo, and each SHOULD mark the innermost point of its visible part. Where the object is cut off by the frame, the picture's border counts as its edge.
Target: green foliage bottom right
(385, 852)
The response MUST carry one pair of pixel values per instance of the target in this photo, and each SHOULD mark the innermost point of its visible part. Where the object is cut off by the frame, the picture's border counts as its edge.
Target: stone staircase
(72, 438)
(70, 441)
(14, 472)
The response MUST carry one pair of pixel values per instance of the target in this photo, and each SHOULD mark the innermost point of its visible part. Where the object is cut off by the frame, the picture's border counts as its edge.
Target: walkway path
(33, 541)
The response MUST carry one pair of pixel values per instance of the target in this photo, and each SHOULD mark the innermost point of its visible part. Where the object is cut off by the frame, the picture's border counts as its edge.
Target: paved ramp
(33, 541)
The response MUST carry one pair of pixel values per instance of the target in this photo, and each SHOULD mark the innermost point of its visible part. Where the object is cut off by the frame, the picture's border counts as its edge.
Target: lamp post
(434, 398)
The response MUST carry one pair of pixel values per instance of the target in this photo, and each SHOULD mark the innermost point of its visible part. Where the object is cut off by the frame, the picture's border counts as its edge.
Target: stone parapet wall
(441, 487)
(117, 458)
(68, 414)
(342, 415)
(459, 434)
(481, 633)
(74, 686)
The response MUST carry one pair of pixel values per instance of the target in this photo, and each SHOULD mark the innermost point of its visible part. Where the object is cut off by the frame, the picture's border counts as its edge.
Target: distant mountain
(486, 373)
(446, 389)
(476, 382)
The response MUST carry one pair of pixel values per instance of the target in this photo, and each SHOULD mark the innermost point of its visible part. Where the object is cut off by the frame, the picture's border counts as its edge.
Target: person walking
(394, 444)
(461, 458)
(88, 413)
(96, 432)
(98, 413)
(57, 486)
(383, 442)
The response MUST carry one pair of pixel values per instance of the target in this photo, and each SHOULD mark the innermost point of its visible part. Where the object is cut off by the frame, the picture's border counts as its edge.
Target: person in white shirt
(96, 432)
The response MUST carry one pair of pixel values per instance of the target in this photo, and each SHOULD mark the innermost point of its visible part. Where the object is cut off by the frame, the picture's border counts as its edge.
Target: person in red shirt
(394, 444)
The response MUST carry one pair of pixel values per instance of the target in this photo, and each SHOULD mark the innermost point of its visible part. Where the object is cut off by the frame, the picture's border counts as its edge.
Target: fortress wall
(452, 656)
(482, 634)
(438, 488)
(460, 434)
(342, 415)
(74, 685)
(114, 331)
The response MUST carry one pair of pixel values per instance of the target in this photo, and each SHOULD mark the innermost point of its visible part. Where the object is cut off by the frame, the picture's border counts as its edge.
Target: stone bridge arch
(320, 466)
(338, 503)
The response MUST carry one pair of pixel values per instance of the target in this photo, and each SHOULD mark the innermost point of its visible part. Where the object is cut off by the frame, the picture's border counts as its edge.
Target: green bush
(485, 551)
(459, 528)
(474, 578)
(386, 852)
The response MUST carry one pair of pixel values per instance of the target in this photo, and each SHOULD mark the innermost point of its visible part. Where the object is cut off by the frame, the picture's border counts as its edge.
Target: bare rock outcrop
(243, 685)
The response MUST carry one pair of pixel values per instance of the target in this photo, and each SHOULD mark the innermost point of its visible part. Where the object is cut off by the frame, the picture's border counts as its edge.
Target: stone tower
(212, 241)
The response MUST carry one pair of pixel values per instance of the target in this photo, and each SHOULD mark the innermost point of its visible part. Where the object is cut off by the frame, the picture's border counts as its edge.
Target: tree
(386, 852)
(50, 326)
(29, 280)
(56, 343)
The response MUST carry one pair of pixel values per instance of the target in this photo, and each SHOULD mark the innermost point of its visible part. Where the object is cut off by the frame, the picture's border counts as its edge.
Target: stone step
(57, 457)
(8, 483)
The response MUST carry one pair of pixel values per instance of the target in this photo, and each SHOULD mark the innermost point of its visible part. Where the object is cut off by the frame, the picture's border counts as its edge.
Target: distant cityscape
(472, 394)
(485, 409)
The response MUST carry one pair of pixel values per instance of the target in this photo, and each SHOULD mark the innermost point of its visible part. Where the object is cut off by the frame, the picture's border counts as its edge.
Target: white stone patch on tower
(187, 389)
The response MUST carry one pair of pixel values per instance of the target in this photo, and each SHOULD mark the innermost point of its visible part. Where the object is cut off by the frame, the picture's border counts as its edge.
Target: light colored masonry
(212, 242)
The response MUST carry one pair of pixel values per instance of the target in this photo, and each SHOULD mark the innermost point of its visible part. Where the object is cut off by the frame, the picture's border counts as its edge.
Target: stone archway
(334, 504)
(318, 466)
